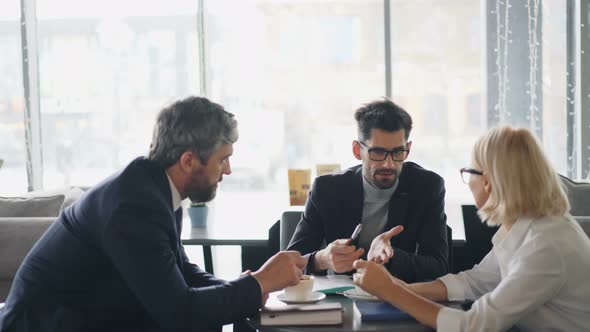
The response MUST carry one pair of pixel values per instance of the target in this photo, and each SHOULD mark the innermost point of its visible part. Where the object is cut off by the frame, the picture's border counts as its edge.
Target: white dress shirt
(537, 277)
(176, 200)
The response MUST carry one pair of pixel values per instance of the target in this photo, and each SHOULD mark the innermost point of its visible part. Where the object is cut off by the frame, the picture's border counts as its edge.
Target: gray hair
(192, 124)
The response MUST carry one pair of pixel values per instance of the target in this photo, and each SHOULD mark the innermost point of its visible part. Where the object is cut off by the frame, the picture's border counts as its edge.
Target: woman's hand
(374, 278)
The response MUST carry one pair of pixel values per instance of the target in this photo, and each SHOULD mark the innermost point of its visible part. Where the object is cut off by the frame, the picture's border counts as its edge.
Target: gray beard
(203, 195)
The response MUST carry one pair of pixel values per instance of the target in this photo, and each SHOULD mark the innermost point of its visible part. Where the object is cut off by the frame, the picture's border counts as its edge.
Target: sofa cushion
(73, 195)
(17, 237)
(47, 206)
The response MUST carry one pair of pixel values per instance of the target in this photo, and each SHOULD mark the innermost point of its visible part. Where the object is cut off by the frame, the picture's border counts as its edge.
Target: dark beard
(202, 195)
(386, 184)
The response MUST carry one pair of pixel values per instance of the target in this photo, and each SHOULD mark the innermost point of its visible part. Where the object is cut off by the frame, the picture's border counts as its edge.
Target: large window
(104, 74)
(13, 173)
(439, 78)
(293, 72)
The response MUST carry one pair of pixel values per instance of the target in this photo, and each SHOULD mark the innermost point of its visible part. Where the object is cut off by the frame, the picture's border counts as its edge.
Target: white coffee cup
(302, 291)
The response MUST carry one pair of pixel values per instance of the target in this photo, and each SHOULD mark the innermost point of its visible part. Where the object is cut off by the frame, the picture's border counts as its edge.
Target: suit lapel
(398, 205)
(178, 228)
(178, 222)
(176, 216)
(398, 208)
(356, 202)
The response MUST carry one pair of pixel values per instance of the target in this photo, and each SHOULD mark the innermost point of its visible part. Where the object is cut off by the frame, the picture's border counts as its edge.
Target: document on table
(313, 314)
(333, 284)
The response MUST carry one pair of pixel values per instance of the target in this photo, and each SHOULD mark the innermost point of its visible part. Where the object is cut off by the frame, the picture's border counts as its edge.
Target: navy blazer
(335, 206)
(114, 261)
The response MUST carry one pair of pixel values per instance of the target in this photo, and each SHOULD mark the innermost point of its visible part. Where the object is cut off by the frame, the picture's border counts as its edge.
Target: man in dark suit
(113, 261)
(400, 205)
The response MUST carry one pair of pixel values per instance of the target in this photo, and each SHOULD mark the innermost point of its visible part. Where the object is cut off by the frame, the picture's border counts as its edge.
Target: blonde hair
(523, 182)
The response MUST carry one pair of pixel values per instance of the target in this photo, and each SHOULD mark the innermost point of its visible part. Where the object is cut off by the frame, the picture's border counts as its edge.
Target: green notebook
(336, 290)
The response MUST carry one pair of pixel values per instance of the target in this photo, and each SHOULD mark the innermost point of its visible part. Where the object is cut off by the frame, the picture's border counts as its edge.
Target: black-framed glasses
(467, 172)
(380, 154)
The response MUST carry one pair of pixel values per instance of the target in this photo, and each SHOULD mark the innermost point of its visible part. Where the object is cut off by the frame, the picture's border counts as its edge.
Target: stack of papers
(309, 314)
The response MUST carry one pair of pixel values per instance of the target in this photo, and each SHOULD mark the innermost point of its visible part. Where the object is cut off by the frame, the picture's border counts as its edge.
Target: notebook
(333, 284)
(377, 310)
(308, 314)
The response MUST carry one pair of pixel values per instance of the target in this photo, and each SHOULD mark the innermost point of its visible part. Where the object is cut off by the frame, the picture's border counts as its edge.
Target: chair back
(584, 222)
(274, 236)
(450, 245)
(289, 222)
(478, 235)
(578, 193)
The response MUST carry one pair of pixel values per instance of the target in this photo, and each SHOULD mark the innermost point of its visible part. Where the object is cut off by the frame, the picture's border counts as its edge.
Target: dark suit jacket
(113, 261)
(334, 208)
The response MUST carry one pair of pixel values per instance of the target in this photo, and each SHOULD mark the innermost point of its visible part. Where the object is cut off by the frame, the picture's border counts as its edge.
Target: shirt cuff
(454, 287)
(259, 285)
(310, 267)
(449, 319)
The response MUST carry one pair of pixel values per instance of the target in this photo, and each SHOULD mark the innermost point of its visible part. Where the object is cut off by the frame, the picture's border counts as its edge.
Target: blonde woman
(537, 274)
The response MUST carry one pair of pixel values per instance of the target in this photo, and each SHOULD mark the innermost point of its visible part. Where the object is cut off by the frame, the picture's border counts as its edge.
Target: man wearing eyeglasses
(399, 204)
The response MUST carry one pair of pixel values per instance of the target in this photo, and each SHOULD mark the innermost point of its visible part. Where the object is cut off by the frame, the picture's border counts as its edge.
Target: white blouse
(537, 277)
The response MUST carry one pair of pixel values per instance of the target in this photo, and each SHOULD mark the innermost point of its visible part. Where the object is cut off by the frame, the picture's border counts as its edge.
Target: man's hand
(338, 256)
(281, 270)
(381, 250)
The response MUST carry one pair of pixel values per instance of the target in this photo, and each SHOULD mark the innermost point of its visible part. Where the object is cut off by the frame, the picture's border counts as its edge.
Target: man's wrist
(318, 262)
(258, 279)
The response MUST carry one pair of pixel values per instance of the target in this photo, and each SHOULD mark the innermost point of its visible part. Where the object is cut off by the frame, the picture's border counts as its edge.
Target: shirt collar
(176, 200)
(511, 239)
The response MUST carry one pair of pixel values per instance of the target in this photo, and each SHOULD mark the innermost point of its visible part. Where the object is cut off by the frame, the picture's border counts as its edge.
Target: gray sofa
(17, 237)
(22, 222)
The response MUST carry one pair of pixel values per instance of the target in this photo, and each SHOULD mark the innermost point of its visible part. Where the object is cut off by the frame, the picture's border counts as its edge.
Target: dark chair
(478, 237)
(281, 232)
(289, 221)
(274, 237)
(450, 244)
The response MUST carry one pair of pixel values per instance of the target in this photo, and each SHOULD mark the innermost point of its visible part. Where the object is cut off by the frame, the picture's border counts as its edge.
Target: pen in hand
(355, 235)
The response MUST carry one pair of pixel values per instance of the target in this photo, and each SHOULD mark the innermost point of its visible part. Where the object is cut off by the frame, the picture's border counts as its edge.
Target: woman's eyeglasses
(467, 172)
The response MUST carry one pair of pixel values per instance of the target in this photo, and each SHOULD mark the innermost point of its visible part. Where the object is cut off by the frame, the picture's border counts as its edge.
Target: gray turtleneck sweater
(375, 212)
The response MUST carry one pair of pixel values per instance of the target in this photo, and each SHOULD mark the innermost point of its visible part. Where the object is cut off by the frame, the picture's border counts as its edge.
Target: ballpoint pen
(355, 235)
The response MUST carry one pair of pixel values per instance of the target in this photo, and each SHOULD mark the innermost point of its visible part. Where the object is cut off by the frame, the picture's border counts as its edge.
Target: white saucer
(358, 294)
(315, 297)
